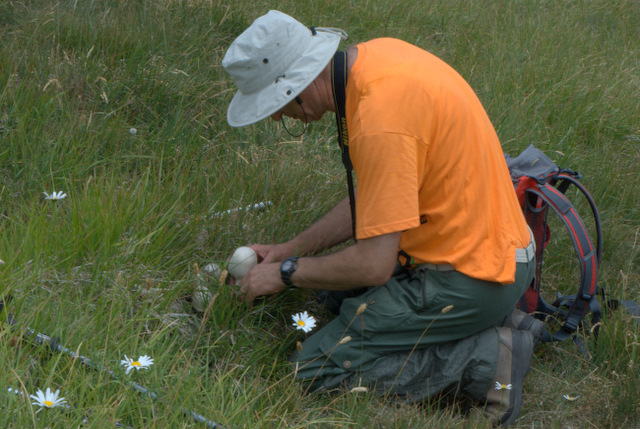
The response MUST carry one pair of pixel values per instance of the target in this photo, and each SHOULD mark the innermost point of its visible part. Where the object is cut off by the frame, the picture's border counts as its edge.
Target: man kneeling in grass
(443, 252)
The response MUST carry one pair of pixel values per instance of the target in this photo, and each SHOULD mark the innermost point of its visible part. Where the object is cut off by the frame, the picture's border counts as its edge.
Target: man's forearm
(370, 262)
(330, 230)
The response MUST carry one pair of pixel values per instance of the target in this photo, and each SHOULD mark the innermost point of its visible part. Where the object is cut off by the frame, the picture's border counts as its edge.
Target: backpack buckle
(571, 324)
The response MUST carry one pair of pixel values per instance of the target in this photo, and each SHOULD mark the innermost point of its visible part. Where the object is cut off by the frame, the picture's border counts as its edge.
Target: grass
(108, 270)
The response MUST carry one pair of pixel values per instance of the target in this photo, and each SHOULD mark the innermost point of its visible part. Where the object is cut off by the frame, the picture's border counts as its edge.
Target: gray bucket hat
(272, 62)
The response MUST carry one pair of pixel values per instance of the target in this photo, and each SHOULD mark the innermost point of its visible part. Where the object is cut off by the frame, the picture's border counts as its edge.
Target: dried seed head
(345, 340)
(362, 308)
(446, 309)
(299, 346)
(196, 269)
(119, 278)
(148, 283)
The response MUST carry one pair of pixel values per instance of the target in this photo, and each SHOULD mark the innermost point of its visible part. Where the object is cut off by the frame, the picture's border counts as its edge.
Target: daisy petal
(303, 321)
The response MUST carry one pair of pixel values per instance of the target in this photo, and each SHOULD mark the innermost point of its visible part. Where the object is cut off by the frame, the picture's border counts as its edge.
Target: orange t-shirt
(429, 163)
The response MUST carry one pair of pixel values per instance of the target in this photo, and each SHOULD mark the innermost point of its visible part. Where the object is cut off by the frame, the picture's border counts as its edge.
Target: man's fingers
(244, 294)
(260, 250)
(248, 297)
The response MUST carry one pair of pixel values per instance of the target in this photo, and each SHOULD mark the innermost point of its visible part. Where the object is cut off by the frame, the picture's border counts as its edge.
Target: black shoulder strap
(339, 75)
(569, 177)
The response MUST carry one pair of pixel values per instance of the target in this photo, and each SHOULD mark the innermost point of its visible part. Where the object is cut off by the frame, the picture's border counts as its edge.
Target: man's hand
(263, 279)
(268, 253)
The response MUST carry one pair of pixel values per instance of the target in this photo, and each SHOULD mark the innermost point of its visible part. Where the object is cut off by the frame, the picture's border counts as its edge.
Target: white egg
(201, 297)
(213, 270)
(241, 262)
(202, 294)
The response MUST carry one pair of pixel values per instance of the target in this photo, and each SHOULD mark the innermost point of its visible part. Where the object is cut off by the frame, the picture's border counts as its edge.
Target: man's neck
(324, 80)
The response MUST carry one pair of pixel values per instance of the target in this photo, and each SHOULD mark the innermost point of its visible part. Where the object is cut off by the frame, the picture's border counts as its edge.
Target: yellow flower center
(136, 363)
(301, 323)
(48, 403)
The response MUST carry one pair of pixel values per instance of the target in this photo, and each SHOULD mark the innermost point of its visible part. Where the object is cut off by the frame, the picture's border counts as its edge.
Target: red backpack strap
(570, 177)
(587, 256)
(535, 212)
(524, 182)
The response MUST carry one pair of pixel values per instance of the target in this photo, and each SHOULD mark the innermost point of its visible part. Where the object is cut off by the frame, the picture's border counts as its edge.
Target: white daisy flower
(55, 196)
(570, 398)
(143, 362)
(303, 321)
(502, 386)
(48, 399)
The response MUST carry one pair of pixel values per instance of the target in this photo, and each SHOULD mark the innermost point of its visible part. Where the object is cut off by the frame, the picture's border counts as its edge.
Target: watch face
(287, 265)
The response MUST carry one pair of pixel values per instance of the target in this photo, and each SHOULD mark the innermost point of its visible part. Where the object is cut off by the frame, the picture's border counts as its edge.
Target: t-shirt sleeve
(388, 183)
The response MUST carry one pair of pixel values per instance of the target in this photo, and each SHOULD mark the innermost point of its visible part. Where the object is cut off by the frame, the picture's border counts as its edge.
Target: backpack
(540, 185)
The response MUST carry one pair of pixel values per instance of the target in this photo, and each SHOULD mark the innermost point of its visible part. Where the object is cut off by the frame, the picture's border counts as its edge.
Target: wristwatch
(287, 268)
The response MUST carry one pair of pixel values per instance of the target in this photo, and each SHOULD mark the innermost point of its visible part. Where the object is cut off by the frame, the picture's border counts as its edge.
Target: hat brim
(246, 109)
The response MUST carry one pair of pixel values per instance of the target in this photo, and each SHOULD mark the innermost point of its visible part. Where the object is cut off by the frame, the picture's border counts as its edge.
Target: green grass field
(108, 270)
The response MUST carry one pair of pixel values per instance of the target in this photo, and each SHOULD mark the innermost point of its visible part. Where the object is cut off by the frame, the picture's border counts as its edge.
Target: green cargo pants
(397, 339)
